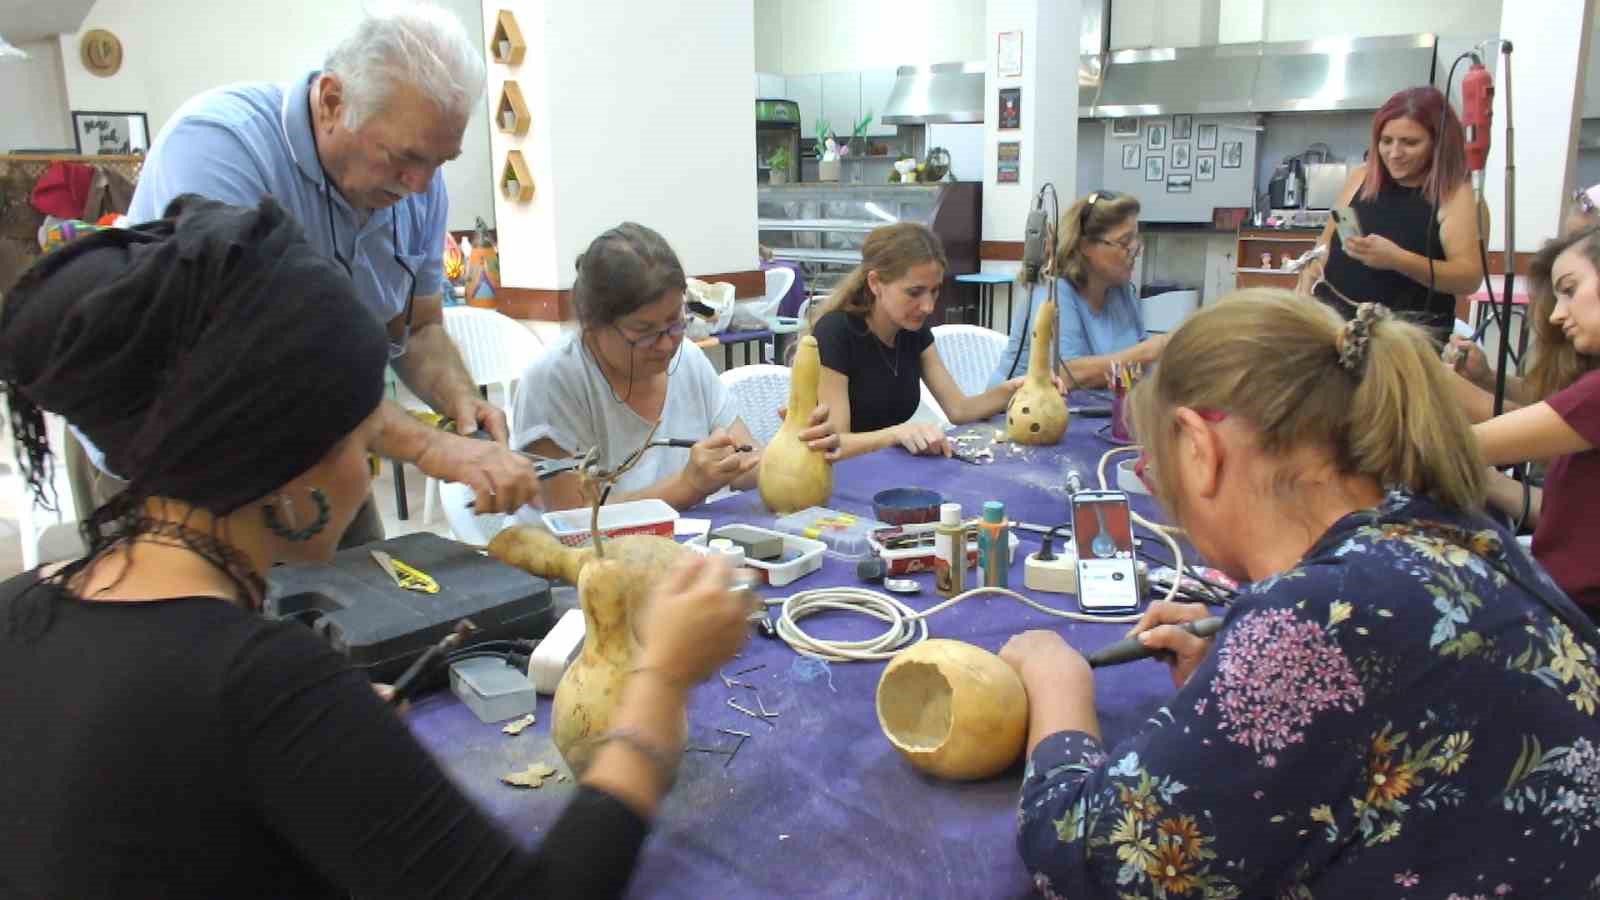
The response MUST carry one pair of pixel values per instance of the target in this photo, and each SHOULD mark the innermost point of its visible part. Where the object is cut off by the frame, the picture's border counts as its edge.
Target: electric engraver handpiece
(1129, 649)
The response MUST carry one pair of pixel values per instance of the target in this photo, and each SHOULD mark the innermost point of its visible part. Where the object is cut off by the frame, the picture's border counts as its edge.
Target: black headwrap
(212, 355)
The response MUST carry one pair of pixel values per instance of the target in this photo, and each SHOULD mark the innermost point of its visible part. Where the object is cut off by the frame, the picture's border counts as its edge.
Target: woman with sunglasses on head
(1418, 247)
(1559, 419)
(1399, 701)
(1098, 317)
(627, 370)
(877, 349)
(164, 739)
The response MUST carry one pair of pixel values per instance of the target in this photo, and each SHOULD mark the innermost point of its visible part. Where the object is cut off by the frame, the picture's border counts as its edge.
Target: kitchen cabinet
(806, 91)
(841, 102)
(770, 87)
(876, 86)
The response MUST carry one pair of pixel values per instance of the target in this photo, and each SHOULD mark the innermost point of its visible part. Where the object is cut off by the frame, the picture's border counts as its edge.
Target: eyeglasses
(395, 350)
(671, 332)
(1131, 246)
(1144, 470)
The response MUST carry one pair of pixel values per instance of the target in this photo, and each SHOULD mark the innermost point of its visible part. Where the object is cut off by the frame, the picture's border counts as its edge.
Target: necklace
(892, 363)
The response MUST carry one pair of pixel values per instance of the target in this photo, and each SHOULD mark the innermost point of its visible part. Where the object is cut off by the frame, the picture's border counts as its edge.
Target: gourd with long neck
(793, 476)
(1037, 413)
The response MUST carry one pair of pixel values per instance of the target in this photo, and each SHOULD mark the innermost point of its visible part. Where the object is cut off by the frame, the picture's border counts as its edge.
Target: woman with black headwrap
(163, 739)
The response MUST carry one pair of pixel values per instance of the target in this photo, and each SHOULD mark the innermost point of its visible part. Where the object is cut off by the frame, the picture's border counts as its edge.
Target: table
(822, 805)
(986, 282)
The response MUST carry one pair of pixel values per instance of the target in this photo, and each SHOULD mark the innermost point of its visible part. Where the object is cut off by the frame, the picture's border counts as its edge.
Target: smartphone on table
(1102, 527)
(1346, 222)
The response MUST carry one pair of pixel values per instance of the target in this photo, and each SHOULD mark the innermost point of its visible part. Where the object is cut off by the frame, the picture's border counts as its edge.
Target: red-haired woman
(1419, 224)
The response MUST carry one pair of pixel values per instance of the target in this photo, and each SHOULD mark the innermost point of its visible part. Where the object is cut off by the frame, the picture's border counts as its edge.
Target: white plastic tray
(801, 556)
(652, 516)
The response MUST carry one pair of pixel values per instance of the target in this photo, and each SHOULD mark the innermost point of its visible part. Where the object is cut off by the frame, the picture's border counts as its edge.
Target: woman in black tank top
(1418, 250)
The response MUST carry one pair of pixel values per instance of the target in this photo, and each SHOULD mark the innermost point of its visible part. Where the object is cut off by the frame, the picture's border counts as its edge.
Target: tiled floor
(61, 541)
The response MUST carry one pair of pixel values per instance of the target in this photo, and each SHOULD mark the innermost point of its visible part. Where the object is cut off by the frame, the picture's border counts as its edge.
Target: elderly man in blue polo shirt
(353, 151)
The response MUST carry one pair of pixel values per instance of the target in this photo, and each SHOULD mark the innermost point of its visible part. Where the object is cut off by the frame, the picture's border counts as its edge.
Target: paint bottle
(993, 544)
(950, 551)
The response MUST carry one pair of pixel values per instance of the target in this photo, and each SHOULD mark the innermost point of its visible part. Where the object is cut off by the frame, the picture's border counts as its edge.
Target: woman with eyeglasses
(1098, 317)
(877, 349)
(1399, 702)
(1418, 247)
(625, 370)
(1558, 422)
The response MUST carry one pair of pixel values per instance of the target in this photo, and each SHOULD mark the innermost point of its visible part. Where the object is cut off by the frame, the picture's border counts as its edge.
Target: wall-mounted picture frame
(1205, 167)
(1008, 55)
(1008, 165)
(1126, 126)
(1182, 155)
(1155, 168)
(1010, 108)
(1130, 155)
(1232, 154)
(110, 133)
(1207, 138)
(1180, 184)
(1155, 136)
(1182, 127)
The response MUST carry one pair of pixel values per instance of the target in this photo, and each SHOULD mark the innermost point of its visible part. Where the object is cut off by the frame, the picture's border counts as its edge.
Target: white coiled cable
(907, 626)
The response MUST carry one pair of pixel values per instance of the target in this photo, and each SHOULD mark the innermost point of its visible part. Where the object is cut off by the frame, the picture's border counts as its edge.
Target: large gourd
(794, 476)
(1037, 413)
(953, 710)
(611, 591)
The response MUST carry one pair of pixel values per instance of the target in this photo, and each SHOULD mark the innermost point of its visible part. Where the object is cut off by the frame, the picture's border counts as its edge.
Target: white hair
(411, 43)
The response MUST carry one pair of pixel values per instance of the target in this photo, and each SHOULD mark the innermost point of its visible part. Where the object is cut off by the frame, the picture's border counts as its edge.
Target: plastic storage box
(493, 689)
(845, 535)
(571, 526)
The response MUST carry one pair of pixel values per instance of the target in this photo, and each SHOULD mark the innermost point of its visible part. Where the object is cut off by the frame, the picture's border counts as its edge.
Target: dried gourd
(1037, 413)
(953, 710)
(793, 476)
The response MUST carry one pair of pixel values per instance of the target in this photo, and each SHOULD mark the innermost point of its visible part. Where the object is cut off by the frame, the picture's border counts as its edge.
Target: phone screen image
(1103, 531)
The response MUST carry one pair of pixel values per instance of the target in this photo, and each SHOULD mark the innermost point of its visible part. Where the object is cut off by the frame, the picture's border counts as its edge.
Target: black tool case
(354, 604)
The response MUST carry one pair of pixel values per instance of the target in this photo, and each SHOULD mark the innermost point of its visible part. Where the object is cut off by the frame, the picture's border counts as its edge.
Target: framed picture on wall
(1008, 168)
(1008, 55)
(1208, 138)
(1155, 138)
(1155, 168)
(1205, 167)
(1232, 154)
(1126, 126)
(1130, 156)
(1182, 154)
(1011, 108)
(1182, 127)
(110, 133)
(1180, 184)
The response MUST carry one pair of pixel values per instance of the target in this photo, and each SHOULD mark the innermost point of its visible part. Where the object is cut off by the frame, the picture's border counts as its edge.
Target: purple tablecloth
(821, 805)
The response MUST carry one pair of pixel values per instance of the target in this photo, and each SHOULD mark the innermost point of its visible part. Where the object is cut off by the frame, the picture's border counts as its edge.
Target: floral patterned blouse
(1394, 717)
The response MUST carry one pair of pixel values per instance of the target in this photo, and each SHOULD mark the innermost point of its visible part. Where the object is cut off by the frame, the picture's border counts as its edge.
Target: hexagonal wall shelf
(511, 114)
(516, 182)
(508, 46)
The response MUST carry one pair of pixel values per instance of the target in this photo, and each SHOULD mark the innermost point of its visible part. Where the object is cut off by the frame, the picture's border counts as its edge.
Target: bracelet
(666, 764)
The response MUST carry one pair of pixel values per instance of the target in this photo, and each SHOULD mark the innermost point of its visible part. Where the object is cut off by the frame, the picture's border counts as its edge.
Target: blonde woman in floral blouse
(1400, 703)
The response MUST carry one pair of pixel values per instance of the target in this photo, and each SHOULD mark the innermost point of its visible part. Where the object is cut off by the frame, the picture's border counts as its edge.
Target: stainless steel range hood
(1301, 76)
(940, 94)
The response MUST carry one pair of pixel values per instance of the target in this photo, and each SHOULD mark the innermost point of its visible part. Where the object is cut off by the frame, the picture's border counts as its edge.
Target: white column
(1242, 21)
(641, 111)
(1549, 54)
(1049, 132)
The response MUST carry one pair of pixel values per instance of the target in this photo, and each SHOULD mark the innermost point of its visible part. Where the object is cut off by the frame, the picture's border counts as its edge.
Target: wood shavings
(518, 726)
(531, 777)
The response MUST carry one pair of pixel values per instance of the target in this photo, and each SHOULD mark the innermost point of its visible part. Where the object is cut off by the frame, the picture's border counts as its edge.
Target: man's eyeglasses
(396, 350)
(672, 332)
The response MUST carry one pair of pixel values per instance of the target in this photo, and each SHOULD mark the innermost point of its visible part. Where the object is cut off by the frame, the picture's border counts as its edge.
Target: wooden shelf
(516, 182)
(508, 47)
(511, 113)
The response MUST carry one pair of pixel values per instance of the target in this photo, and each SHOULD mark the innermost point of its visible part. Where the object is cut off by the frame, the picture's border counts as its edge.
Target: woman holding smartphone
(1414, 244)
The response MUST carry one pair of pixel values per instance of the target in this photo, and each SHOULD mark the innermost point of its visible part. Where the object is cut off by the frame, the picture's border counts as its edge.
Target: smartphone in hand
(1344, 219)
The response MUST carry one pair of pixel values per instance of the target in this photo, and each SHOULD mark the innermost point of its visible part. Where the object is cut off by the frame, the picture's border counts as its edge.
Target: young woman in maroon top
(1554, 414)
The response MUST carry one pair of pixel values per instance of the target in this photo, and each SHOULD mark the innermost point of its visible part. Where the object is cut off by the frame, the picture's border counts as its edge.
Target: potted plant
(778, 166)
(827, 153)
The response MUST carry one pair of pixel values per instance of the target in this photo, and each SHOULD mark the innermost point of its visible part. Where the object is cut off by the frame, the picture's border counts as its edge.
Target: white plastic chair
(34, 521)
(757, 393)
(970, 352)
(496, 350)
